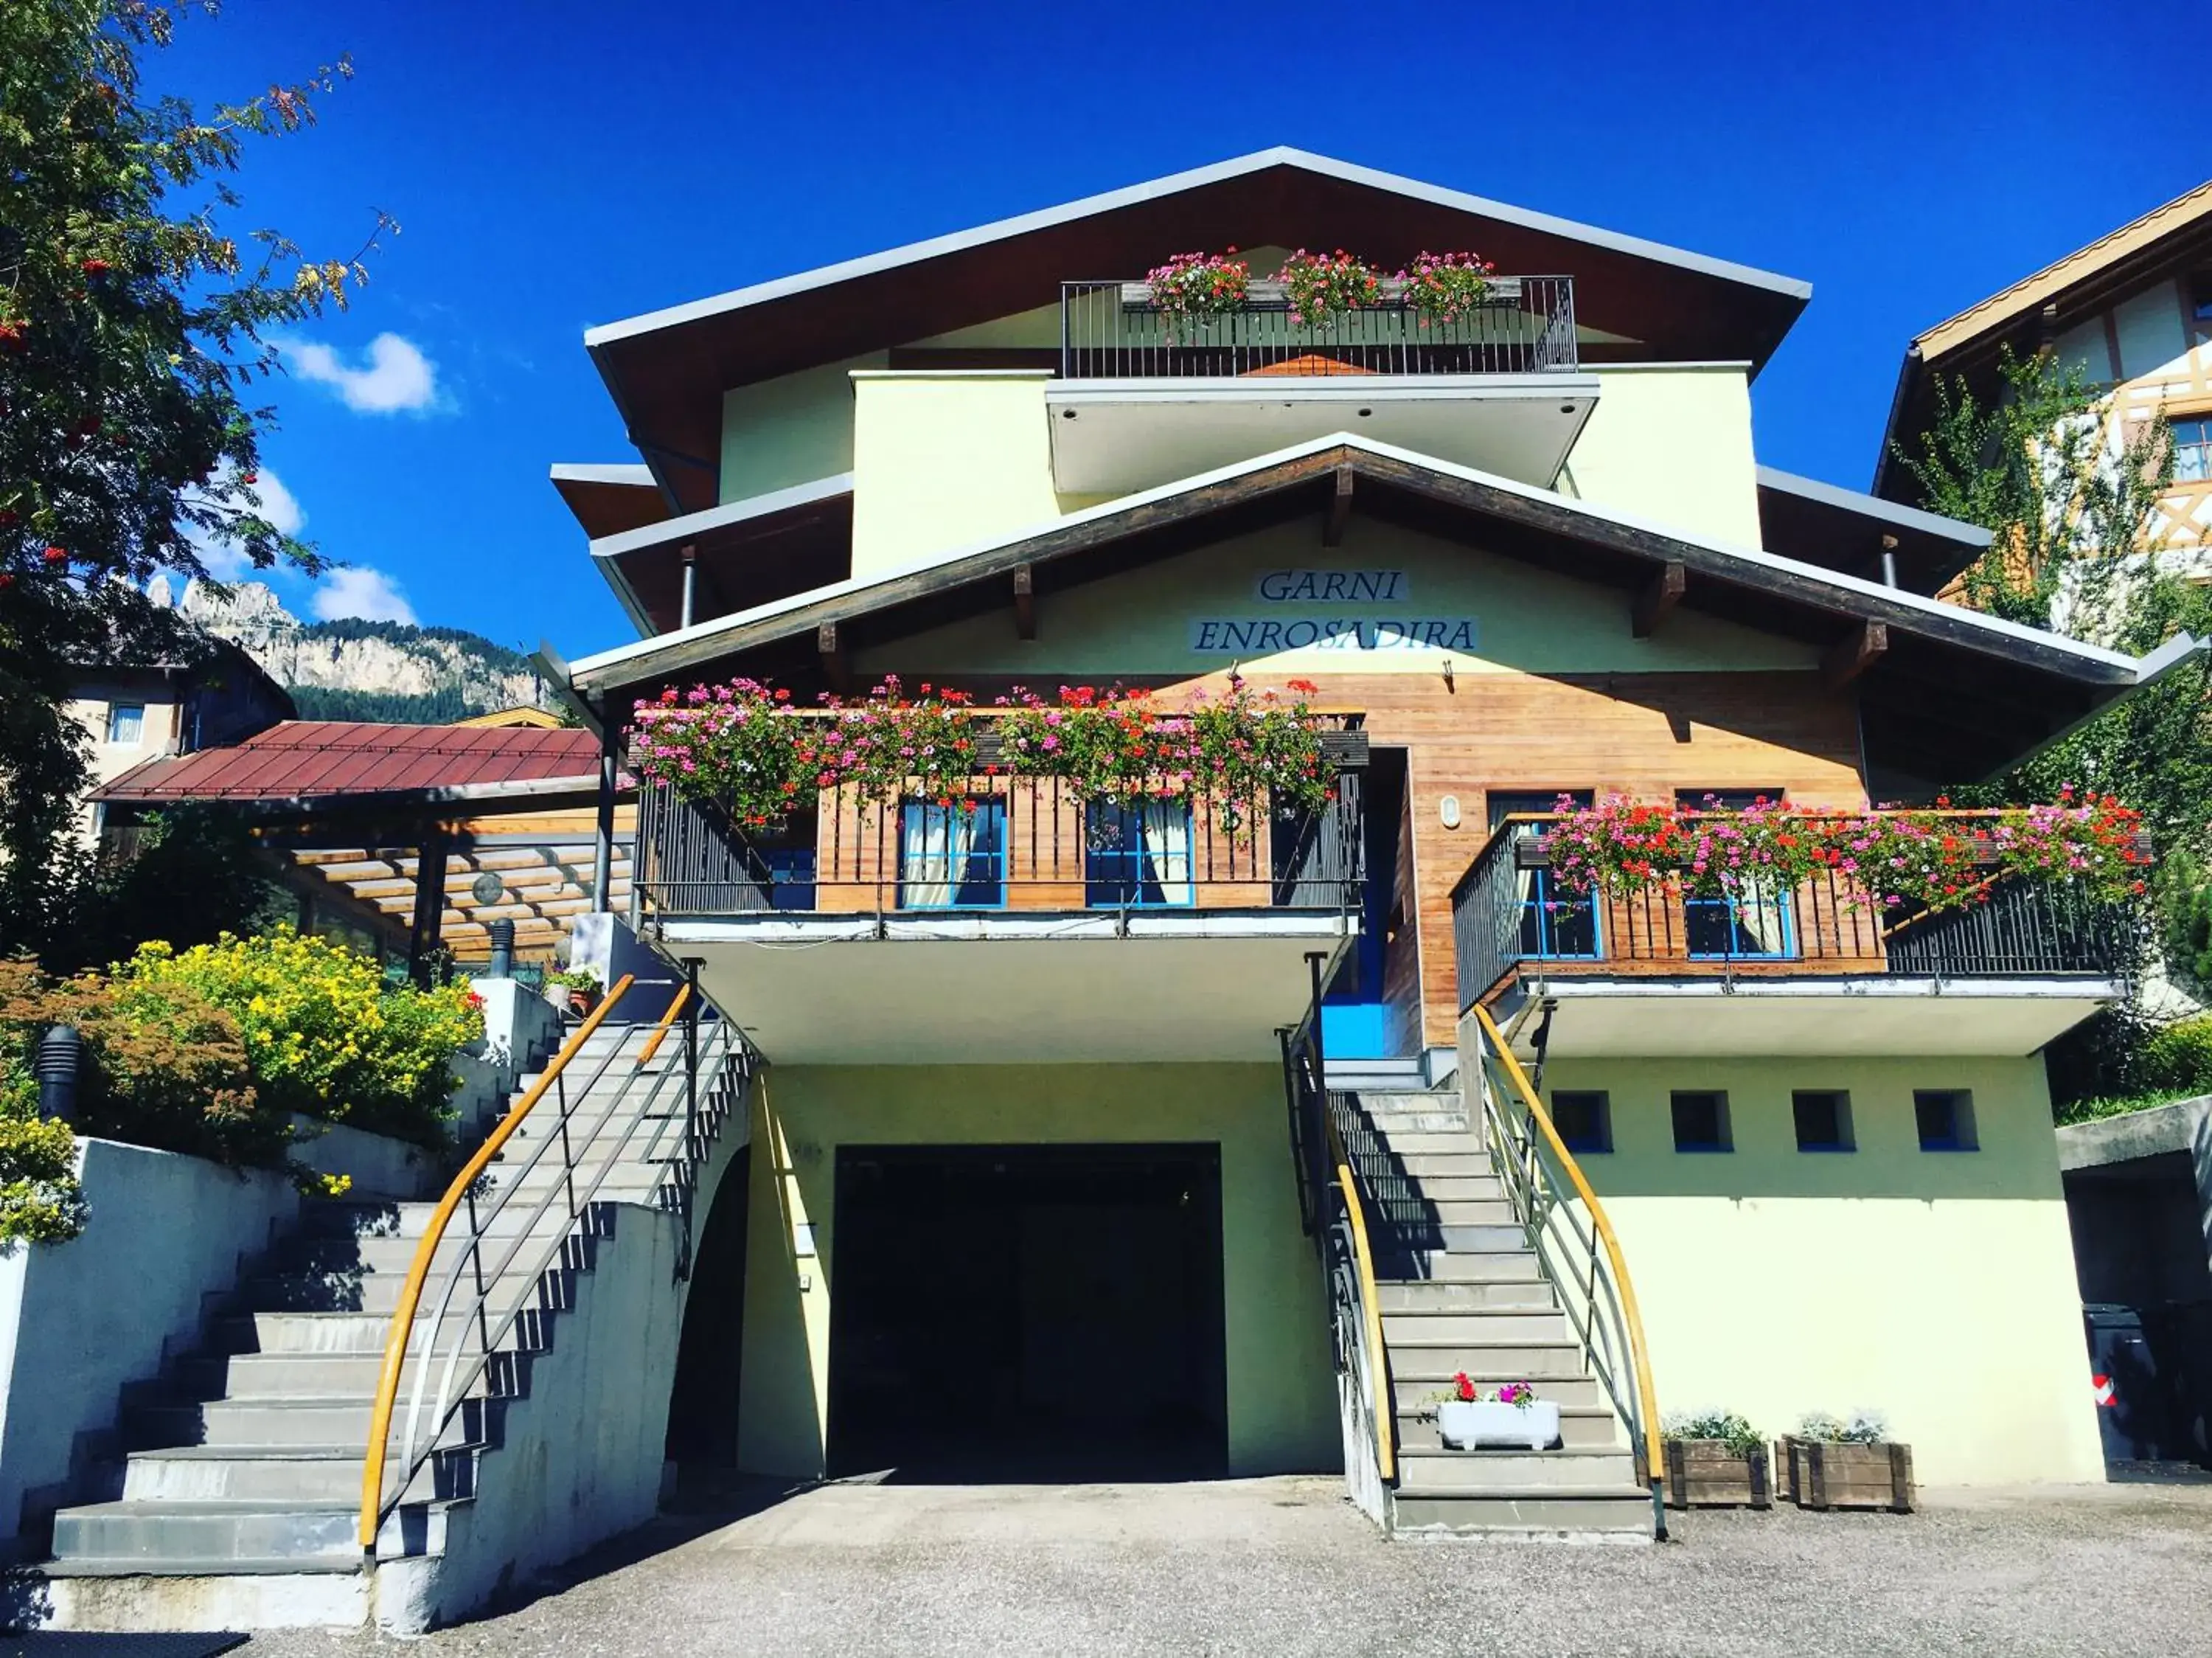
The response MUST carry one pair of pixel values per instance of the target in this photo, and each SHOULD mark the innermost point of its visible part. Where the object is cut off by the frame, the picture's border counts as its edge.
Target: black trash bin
(2132, 1409)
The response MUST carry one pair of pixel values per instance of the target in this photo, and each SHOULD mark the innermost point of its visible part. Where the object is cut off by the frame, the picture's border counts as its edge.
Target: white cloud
(397, 379)
(277, 504)
(359, 591)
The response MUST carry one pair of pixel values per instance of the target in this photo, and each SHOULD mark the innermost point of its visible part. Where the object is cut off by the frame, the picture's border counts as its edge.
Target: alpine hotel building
(1050, 1168)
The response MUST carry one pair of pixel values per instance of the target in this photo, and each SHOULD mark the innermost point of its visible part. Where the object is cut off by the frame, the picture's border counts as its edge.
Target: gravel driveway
(1284, 1567)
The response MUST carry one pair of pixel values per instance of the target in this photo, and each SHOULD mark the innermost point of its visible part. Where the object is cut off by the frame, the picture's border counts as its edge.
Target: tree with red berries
(133, 323)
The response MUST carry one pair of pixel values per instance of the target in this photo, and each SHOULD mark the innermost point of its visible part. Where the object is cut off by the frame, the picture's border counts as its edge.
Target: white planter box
(1465, 1426)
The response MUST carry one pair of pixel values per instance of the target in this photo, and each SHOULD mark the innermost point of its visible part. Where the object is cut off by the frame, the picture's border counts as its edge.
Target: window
(2200, 297)
(1137, 854)
(1584, 1118)
(952, 857)
(1701, 1121)
(126, 724)
(1556, 925)
(2192, 449)
(1824, 1119)
(1946, 1117)
(1754, 923)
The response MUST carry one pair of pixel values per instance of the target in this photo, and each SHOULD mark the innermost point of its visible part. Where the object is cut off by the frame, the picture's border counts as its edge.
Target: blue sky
(562, 164)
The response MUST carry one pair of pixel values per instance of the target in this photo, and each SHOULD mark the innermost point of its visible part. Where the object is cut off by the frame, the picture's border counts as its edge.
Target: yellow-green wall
(790, 431)
(1672, 443)
(1938, 1287)
(1527, 619)
(1282, 1398)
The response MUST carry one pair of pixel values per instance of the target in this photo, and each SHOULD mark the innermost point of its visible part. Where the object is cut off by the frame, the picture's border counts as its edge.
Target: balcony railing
(1112, 330)
(1019, 845)
(1508, 913)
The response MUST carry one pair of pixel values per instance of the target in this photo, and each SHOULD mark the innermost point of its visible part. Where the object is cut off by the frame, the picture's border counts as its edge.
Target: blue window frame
(1137, 855)
(1556, 925)
(2192, 449)
(1754, 925)
(952, 857)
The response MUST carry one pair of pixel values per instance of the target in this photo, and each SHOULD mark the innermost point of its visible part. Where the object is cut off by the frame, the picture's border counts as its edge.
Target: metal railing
(1023, 843)
(1567, 1227)
(520, 1228)
(1113, 331)
(1509, 910)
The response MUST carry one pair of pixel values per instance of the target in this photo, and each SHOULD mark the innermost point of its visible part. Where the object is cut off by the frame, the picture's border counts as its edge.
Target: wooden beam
(1657, 597)
(1852, 654)
(836, 665)
(1340, 509)
(1025, 601)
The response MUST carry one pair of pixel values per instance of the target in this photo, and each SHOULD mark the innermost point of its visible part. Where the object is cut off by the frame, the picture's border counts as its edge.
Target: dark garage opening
(1006, 1313)
(703, 1404)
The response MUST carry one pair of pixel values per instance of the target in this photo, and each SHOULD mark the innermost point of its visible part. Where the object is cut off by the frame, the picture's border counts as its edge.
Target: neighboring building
(2133, 311)
(136, 712)
(982, 461)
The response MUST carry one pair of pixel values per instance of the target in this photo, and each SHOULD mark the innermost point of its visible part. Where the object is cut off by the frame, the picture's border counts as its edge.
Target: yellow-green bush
(322, 1033)
(40, 1201)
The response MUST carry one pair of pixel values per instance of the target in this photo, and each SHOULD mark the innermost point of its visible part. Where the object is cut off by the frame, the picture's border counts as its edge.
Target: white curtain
(1165, 827)
(1762, 917)
(933, 854)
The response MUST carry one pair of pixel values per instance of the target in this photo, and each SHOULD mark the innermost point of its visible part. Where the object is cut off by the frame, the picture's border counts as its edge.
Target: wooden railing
(1510, 911)
(1020, 844)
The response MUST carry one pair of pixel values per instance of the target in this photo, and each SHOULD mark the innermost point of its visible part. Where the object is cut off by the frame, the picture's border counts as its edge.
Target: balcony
(1144, 398)
(1027, 924)
(1816, 969)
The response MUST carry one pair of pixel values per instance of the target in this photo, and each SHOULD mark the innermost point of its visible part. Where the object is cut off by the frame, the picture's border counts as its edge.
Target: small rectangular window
(1946, 1120)
(1584, 1119)
(1824, 1119)
(126, 724)
(2192, 449)
(1701, 1121)
(2200, 297)
(1724, 800)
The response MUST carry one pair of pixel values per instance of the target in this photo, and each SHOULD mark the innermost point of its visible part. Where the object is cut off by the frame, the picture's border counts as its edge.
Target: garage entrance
(1009, 1313)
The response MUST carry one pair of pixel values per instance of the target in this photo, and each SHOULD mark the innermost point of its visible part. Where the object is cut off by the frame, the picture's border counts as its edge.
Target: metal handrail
(1378, 1358)
(581, 1135)
(1545, 1182)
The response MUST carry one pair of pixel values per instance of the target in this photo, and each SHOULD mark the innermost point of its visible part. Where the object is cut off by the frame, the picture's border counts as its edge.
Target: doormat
(60, 1643)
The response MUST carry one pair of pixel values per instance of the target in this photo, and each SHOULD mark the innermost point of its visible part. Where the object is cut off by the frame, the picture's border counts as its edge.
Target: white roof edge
(1873, 506)
(1194, 178)
(1842, 583)
(714, 518)
(602, 471)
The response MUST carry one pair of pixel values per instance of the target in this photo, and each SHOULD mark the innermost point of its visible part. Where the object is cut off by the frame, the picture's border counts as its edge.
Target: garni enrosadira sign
(1381, 621)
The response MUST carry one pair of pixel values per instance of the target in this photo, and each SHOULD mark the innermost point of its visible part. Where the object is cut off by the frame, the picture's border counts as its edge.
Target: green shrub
(40, 1201)
(2179, 1056)
(1864, 1428)
(1731, 1430)
(324, 1034)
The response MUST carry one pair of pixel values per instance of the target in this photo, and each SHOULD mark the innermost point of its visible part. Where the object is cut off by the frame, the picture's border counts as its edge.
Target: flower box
(1466, 1425)
(1827, 1474)
(1707, 1474)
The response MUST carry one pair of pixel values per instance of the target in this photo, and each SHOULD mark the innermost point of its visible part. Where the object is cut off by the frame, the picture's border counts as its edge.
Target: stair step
(1536, 1360)
(1445, 1141)
(1624, 1515)
(1476, 1326)
(281, 1376)
(1516, 1261)
(275, 1474)
(266, 1422)
(1530, 1293)
(377, 1292)
(1459, 1213)
(1438, 1189)
(1415, 1386)
(1571, 1469)
(149, 1534)
(1581, 1426)
(1425, 1166)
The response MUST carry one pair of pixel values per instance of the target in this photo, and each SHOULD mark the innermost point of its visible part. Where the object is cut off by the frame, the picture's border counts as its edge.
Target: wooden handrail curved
(661, 1031)
(410, 1292)
(1362, 1255)
(1647, 1396)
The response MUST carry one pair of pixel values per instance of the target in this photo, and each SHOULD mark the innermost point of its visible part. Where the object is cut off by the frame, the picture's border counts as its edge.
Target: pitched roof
(309, 761)
(667, 370)
(2000, 689)
(2068, 289)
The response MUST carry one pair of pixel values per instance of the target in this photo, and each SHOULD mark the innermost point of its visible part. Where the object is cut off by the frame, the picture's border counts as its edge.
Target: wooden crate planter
(1823, 1474)
(1703, 1473)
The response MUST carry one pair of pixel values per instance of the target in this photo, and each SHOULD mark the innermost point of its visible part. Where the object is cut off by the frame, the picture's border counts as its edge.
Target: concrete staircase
(237, 1502)
(1461, 1290)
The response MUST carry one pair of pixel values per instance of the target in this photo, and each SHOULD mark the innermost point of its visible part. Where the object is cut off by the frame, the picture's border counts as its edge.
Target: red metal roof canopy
(322, 758)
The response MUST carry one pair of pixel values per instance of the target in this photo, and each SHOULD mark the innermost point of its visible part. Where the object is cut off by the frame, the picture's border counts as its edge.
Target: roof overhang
(1951, 694)
(1843, 530)
(745, 553)
(2034, 311)
(667, 370)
